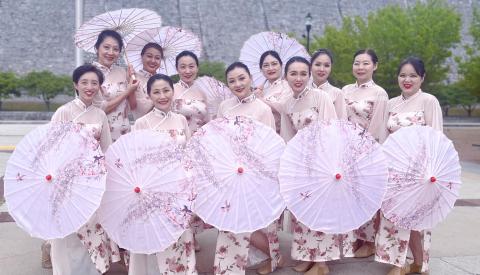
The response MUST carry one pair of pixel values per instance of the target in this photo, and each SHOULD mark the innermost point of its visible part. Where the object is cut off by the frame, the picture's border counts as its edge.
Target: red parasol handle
(240, 170)
(338, 176)
(48, 177)
(137, 189)
(433, 179)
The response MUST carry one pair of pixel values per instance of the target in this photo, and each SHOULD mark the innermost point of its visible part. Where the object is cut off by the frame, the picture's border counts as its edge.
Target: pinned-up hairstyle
(109, 33)
(156, 77)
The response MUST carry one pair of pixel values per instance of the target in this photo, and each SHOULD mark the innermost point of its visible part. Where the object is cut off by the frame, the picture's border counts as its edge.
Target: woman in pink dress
(117, 87)
(232, 250)
(275, 88)
(412, 107)
(88, 251)
(152, 55)
(366, 103)
(322, 61)
(192, 103)
(179, 258)
(304, 106)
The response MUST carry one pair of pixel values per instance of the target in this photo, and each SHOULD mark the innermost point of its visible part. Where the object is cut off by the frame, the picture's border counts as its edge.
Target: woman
(412, 107)
(276, 88)
(180, 257)
(322, 61)
(152, 55)
(89, 251)
(231, 252)
(115, 90)
(189, 101)
(300, 109)
(366, 102)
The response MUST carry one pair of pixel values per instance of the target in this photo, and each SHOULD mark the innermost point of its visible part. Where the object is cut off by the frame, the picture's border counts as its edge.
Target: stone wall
(38, 34)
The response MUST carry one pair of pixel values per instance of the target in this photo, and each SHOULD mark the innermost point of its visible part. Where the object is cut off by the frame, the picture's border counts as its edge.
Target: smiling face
(363, 68)
(161, 94)
(108, 51)
(271, 68)
(321, 69)
(187, 69)
(409, 80)
(151, 60)
(88, 85)
(239, 82)
(297, 76)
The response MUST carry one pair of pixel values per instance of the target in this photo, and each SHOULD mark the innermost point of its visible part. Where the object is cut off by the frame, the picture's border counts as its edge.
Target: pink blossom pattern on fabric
(178, 258)
(195, 111)
(102, 250)
(398, 120)
(227, 262)
(316, 246)
(362, 109)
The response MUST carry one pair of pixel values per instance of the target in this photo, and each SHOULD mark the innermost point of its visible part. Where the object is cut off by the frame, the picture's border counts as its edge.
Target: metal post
(308, 25)
(78, 23)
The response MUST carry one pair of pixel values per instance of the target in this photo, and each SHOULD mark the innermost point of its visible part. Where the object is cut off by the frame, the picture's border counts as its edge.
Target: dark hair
(416, 63)
(320, 52)
(274, 54)
(235, 65)
(370, 52)
(186, 53)
(87, 68)
(156, 77)
(109, 33)
(152, 45)
(297, 59)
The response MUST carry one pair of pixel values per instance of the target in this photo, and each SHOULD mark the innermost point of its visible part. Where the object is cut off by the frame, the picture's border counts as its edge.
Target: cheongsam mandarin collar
(105, 70)
(302, 94)
(275, 83)
(144, 73)
(323, 86)
(159, 113)
(366, 84)
(184, 84)
(412, 96)
(77, 101)
(247, 99)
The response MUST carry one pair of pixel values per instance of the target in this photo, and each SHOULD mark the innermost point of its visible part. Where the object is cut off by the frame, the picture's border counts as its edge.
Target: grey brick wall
(38, 34)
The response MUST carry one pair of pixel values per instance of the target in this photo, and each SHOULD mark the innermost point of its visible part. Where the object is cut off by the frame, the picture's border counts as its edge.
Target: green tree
(46, 85)
(428, 30)
(469, 67)
(8, 86)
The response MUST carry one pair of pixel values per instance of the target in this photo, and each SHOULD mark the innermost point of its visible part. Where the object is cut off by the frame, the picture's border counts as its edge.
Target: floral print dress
(336, 95)
(179, 258)
(309, 245)
(391, 241)
(274, 95)
(90, 250)
(366, 105)
(114, 84)
(232, 250)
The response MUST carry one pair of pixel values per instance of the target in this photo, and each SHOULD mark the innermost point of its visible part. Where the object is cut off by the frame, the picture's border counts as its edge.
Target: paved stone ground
(455, 247)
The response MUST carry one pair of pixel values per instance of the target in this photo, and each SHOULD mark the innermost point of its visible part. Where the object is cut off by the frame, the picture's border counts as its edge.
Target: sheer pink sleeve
(105, 137)
(377, 126)
(433, 113)
(340, 105)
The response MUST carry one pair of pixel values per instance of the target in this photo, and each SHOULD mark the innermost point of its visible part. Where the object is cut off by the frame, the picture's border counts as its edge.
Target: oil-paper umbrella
(148, 200)
(259, 43)
(424, 177)
(234, 162)
(215, 91)
(333, 176)
(173, 41)
(54, 180)
(127, 22)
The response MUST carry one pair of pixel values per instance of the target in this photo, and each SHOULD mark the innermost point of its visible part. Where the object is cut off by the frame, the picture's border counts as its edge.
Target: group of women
(287, 102)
